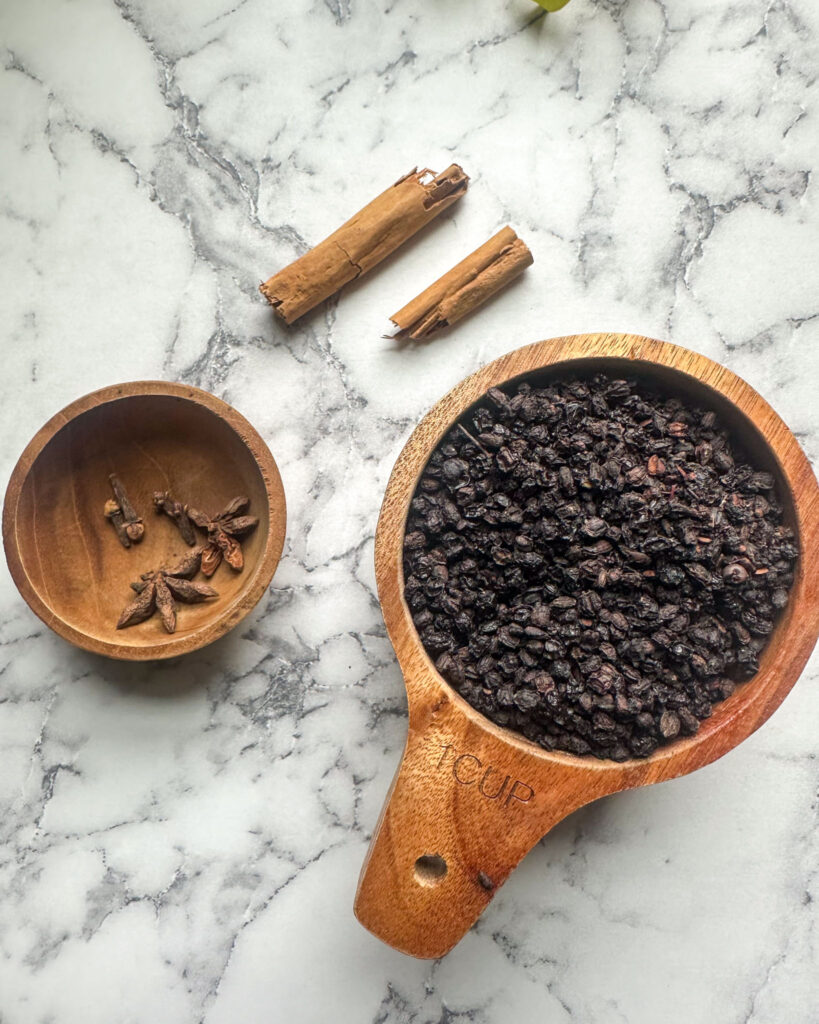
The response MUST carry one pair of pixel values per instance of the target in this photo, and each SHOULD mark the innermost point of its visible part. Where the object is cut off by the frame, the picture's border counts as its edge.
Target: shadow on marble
(167, 680)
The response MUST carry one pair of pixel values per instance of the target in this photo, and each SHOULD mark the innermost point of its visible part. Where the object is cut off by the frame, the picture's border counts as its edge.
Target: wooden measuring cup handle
(462, 812)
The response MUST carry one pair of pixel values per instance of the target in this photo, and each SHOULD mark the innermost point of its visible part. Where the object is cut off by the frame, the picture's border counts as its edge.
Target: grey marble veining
(180, 843)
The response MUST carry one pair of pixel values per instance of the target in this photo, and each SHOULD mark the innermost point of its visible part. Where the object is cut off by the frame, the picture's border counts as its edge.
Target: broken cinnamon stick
(363, 241)
(468, 285)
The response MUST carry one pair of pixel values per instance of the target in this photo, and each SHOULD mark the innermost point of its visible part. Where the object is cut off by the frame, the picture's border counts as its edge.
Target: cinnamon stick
(468, 285)
(363, 241)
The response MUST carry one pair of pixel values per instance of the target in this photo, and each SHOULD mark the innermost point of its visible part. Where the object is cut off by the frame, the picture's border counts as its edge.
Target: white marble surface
(180, 843)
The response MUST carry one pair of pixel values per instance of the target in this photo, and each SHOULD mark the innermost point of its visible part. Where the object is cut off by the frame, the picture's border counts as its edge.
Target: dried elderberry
(593, 564)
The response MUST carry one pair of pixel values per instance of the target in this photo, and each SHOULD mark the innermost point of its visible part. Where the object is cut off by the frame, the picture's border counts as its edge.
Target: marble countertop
(180, 842)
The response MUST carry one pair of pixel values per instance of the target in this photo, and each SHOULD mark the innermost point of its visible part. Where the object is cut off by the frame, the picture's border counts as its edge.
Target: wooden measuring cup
(470, 799)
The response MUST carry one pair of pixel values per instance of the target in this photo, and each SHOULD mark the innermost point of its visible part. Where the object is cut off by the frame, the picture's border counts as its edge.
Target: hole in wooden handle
(430, 869)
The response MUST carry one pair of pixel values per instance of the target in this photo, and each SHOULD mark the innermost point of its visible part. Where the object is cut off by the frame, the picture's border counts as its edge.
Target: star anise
(222, 531)
(156, 591)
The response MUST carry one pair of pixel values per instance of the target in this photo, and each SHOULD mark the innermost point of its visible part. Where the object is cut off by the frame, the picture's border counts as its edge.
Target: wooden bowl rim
(717, 735)
(257, 582)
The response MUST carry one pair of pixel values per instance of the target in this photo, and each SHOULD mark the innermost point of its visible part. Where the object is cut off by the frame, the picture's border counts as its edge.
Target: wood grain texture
(442, 800)
(64, 555)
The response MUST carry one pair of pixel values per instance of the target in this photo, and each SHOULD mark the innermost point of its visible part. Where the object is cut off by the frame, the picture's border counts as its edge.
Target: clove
(132, 523)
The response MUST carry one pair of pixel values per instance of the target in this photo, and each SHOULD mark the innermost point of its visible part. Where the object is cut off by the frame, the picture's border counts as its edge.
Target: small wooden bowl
(470, 799)
(64, 555)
